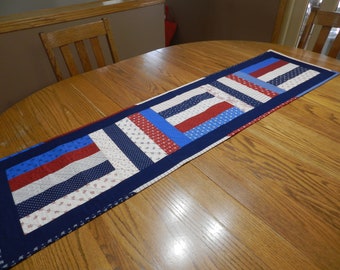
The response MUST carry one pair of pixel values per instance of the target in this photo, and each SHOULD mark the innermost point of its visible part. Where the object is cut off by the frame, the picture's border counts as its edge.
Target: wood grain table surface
(268, 198)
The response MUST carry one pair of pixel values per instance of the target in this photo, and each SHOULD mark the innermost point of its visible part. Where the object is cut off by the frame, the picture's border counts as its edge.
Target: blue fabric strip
(131, 150)
(237, 94)
(46, 157)
(213, 123)
(287, 76)
(258, 82)
(58, 191)
(171, 132)
(185, 105)
(259, 65)
(17, 153)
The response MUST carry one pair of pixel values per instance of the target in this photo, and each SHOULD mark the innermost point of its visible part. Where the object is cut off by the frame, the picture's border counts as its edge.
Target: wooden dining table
(267, 198)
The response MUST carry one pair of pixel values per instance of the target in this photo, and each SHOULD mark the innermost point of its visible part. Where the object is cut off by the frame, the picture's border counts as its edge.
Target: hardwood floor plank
(78, 250)
(267, 194)
(182, 236)
(274, 250)
(102, 103)
(52, 114)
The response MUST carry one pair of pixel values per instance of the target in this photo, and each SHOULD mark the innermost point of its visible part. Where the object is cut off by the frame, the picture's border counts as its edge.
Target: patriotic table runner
(53, 188)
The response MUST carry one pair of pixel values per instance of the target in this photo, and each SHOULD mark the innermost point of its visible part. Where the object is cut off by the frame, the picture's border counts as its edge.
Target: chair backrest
(326, 20)
(80, 48)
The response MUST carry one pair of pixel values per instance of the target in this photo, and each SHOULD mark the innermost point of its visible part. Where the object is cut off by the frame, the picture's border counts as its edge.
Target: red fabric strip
(252, 85)
(203, 117)
(51, 167)
(268, 68)
(154, 133)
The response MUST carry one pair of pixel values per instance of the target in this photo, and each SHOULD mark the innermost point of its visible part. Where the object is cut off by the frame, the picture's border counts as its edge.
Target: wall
(9, 7)
(293, 20)
(24, 66)
(224, 19)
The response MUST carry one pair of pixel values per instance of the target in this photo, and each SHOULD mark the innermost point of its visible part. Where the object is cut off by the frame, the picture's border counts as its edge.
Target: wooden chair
(80, 48)
(326, 20)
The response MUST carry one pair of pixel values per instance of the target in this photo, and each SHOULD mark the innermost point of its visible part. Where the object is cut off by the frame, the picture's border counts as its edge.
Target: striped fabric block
(53, 188)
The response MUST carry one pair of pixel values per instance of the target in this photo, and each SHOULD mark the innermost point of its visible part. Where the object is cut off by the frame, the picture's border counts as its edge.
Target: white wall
(24, 66)
(224, 19)
(9, 7)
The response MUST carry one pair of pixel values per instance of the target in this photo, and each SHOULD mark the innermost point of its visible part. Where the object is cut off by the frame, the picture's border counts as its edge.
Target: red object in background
(170, 27)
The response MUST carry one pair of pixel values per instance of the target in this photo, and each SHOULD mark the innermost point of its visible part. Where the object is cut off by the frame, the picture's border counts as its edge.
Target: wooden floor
(268, 198)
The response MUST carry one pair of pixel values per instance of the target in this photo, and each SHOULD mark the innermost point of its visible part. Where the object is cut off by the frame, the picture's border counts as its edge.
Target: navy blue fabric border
(15, 246)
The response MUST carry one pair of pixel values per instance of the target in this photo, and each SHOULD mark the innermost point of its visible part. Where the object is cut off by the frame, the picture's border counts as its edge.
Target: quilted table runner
(51, 189)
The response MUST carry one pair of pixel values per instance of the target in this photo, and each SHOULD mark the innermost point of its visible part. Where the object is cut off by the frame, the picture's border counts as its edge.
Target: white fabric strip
(194, 110)
(306, 62)
(228, 98)
(277, 72)
(179, 165)
(177, 99)
(124, 168)
(143, 141)
(57, 177)
(244, 89)
(305, 76)
(65, 204)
